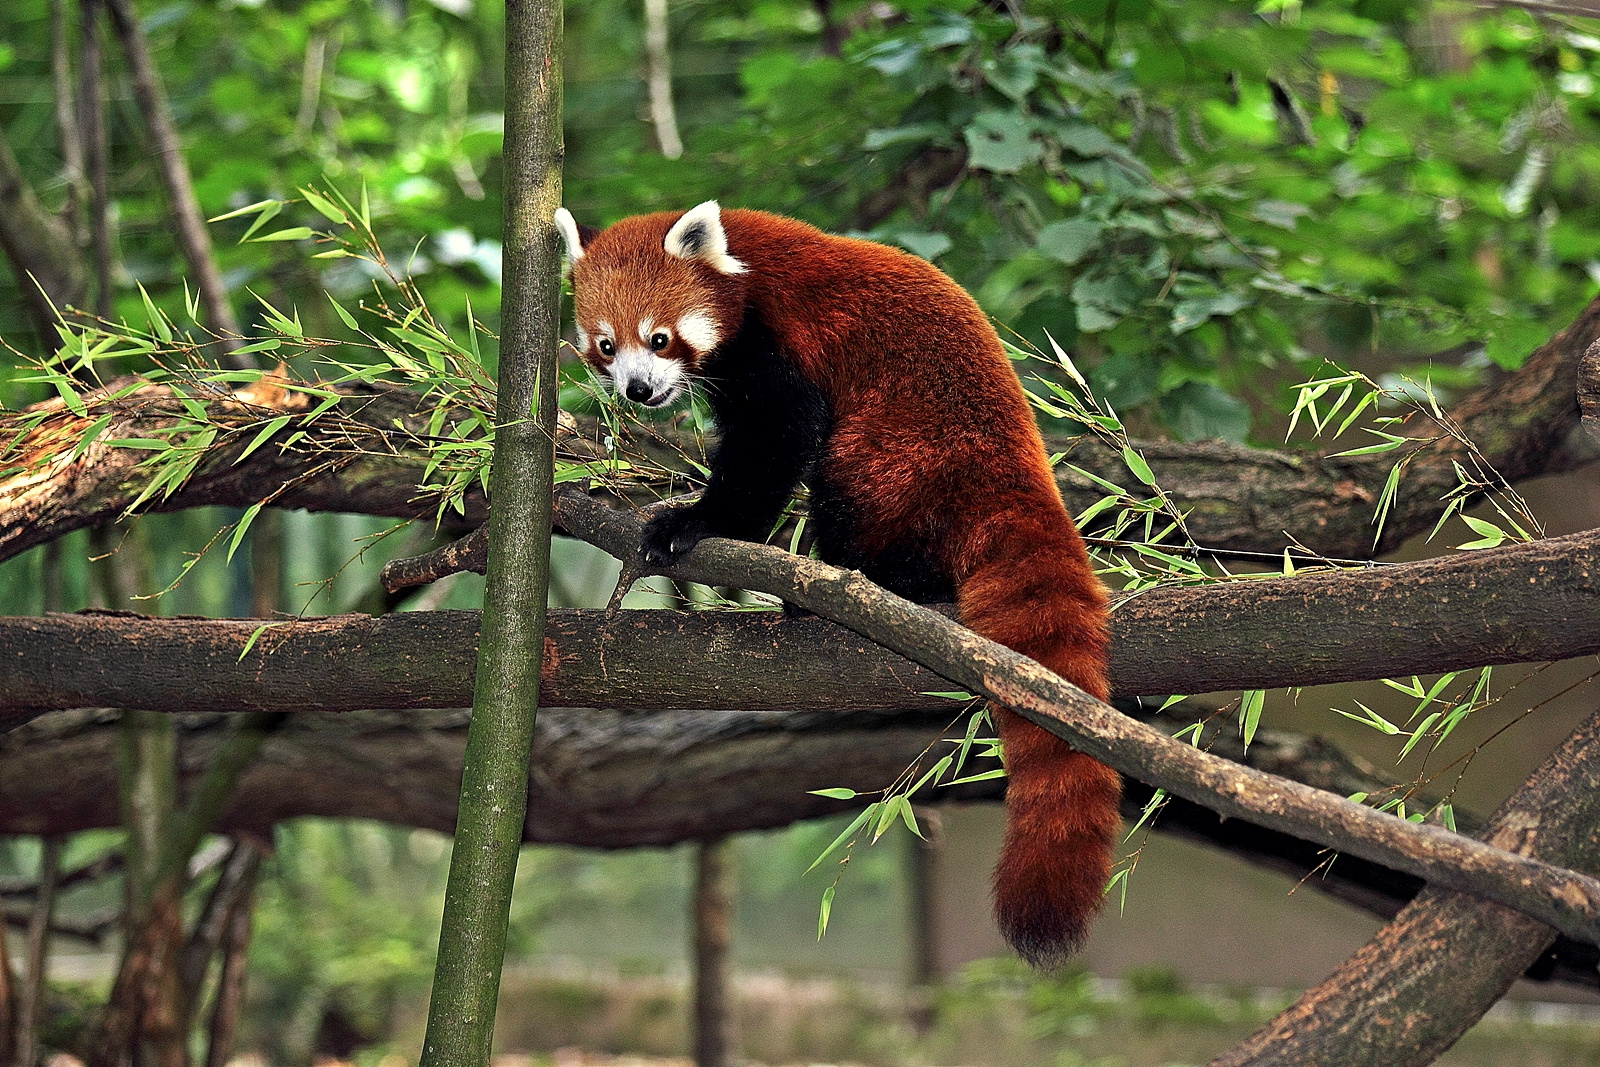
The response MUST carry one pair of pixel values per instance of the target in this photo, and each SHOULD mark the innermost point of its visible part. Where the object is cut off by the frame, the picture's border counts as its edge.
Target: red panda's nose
(638, 391)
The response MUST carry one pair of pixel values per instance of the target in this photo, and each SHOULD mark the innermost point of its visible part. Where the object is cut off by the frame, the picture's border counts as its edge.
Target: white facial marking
(698, 235)
(583, 340)
(645, 329)
(569, 234)
(699, 331)
(646, 378)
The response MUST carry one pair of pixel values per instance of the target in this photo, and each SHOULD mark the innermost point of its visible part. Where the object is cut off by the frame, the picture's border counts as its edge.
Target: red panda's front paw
(671, 535)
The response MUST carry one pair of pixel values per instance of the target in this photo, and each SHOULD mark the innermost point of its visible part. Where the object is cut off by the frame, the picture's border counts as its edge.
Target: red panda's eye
(606, 347)
(658, 341)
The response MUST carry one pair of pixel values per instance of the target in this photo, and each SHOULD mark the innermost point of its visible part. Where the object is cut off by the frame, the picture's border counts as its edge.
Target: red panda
(873, 376)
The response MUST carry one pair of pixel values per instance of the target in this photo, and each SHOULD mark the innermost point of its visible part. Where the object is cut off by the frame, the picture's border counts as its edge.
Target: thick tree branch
(1237, 498)
(620, 779)
(355, 461)
(1425, 978)
(1532, 602)
(1560, 898)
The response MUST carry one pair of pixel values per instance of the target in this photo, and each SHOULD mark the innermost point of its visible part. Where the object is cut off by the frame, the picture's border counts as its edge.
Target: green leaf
(1490, 535)
(259, 205)
(1250, 705)
(920, 131)
(269, 211)
(837, 793)
(998, 772)
(824, 912)
(1136, 464)
(293, 233)
(1000, 141)
(1069, 240)
(255, 635)
(239, 529)
(848, 832)
(1187, 314)
(344, 316)
(96, 428)
(158, 321)
(325, 207)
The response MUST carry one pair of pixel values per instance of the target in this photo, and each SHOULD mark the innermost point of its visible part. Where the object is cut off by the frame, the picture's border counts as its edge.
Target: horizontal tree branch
(1533, 602)
(1560, 898)
(1237, 498)
(621, 779)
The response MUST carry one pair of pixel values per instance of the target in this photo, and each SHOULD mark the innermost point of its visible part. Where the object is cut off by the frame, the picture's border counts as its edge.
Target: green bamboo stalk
(494, 781)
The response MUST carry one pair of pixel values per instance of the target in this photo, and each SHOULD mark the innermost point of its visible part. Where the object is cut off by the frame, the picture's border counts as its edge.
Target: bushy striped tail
(1043, 600)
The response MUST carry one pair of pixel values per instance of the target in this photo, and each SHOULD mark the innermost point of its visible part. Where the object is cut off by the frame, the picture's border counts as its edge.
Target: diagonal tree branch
(1408, 994)
(1568, 901)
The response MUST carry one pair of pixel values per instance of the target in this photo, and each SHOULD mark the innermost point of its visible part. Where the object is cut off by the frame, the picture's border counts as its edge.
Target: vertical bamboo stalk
(494, 780)
(713, 933)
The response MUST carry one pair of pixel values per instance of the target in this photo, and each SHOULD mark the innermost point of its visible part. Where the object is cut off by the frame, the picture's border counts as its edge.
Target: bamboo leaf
(848, 832)
(824, 912)
(1136, 464)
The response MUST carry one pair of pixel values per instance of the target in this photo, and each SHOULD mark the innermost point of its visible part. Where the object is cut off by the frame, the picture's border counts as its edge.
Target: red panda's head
(654, 296)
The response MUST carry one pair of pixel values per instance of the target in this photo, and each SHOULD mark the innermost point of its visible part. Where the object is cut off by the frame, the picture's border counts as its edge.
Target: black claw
(672, 535)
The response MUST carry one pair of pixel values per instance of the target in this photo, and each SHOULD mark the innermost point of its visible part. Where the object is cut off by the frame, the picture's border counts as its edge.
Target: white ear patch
(569, 233)
(698, 235)
(700, 331)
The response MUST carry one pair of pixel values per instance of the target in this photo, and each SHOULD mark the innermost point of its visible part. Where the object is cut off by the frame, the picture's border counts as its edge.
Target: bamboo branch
(1568, 901)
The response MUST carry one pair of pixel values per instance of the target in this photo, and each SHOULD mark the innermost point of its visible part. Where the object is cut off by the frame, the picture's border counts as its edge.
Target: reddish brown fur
(932, 440)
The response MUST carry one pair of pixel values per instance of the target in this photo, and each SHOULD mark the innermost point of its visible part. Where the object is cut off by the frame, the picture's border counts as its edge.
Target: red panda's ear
(572, 234)
(698, 237)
